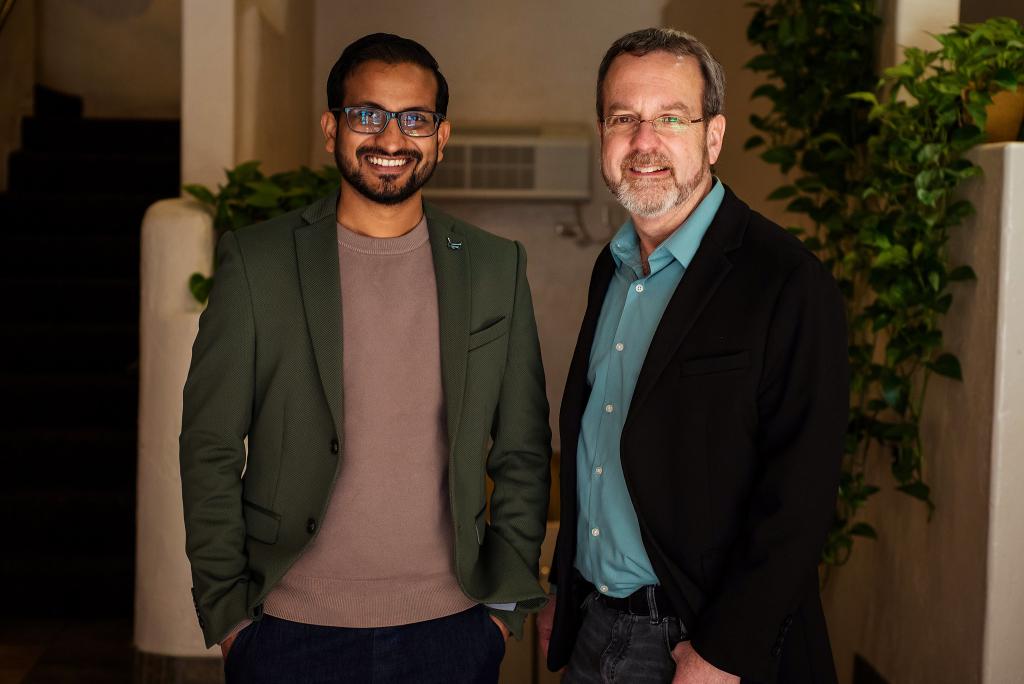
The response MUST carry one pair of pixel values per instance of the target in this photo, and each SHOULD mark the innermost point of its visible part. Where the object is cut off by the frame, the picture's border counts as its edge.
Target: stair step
(75, 401)
(56, 583)
(71, 301)
(85, 173)
(94, 256)
(39, 213)
(50, 102)
(55, 347)
(100, 136)
(41, 457)
(76, 521)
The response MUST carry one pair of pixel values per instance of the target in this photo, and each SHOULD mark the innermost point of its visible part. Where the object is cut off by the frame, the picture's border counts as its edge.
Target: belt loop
(652, 605)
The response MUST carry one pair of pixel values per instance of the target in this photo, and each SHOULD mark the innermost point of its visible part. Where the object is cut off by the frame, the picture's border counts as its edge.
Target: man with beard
(703, 417)
(370, 347)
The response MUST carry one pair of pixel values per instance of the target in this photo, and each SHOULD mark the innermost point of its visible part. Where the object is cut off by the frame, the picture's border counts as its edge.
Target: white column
(177, 240)
(1001, 203)
(208, 93)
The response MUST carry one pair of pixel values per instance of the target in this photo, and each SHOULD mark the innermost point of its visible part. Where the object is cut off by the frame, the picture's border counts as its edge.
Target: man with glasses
(703, 416)
(382, 359)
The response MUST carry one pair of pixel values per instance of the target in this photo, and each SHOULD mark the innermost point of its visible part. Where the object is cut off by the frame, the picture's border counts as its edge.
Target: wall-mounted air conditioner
(541, 163)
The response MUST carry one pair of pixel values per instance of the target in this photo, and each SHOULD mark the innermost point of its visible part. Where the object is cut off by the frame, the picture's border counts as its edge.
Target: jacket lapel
(451, 269)
(316, 248)
(706, 272)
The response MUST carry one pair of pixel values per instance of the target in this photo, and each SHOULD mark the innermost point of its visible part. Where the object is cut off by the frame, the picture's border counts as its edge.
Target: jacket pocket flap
(715, 364)
(488, 334)
(260, 523)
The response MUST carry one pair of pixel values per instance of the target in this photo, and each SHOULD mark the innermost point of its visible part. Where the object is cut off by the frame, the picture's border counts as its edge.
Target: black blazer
(731, 449)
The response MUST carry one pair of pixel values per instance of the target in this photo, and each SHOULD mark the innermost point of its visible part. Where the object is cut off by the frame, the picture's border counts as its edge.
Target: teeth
(649, 169)
(381, 161)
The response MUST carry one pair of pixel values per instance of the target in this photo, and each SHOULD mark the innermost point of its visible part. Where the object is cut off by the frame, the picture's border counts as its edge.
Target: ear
(329, 125)
(714, 137)
(443, 133)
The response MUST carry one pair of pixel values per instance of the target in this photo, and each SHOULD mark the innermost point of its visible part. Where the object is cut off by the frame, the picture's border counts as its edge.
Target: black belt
(644, 601)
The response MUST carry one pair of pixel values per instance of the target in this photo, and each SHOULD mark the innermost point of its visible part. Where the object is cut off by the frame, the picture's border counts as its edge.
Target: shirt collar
(680, 246)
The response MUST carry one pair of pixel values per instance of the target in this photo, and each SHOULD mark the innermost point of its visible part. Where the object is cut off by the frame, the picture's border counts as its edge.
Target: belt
(648, 601)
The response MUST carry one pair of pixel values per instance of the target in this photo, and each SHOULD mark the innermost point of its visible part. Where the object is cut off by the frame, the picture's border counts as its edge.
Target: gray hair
(640, 43)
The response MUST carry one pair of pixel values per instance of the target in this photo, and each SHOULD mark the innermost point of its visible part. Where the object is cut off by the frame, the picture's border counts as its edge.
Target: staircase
(69, 272)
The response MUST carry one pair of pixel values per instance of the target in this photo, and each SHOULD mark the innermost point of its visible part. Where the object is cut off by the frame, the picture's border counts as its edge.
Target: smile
(388, 162)
(643, 170)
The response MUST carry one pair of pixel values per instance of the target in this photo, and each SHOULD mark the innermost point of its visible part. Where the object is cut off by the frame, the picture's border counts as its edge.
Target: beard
(389, 193)
(650, 197)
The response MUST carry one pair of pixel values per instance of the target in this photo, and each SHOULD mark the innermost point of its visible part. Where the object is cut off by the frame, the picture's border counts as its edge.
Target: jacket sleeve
(520, 459)
(803, 405)
(216, 415)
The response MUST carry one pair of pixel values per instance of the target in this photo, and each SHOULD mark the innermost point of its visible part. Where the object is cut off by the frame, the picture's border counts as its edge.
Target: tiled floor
(36, 651)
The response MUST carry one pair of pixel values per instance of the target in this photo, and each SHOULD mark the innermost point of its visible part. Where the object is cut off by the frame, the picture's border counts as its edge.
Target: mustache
(646, 159)
(411, 153)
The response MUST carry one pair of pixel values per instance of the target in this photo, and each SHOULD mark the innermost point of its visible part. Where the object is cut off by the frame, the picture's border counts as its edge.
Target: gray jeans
(618, 647)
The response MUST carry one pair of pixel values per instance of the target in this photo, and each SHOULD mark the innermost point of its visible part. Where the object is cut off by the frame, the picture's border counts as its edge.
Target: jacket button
(311, 525)
(335, 447)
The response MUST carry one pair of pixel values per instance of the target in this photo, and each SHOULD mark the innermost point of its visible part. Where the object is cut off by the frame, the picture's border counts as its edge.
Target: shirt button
(608, 408)
(335, 447)
(311, 526)
(598, 470)
(603, 588)
(595, 532)
(639, 287)
(619, 346)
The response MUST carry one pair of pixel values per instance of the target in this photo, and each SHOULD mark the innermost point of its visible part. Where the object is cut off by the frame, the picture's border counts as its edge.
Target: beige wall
(725, 34)
(122, 56)
(274, 62)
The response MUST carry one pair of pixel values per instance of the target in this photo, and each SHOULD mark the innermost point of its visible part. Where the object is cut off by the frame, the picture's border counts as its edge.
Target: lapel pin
(452, 244)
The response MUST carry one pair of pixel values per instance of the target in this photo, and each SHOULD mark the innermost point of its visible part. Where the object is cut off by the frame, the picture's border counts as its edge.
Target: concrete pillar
(1000, 202)
(177, 240)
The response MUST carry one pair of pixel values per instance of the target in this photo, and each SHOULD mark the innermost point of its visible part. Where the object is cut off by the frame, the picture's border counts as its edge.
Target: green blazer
(267, 366)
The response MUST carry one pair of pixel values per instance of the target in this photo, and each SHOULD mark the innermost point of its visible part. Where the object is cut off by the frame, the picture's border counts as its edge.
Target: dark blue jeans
(613, 646)
(465, 647)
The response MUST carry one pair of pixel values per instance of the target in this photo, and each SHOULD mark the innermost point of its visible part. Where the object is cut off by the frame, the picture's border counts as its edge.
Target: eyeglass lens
(372, 120)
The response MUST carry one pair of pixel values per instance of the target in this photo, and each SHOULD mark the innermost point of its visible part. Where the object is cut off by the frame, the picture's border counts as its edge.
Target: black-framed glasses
(627, 123)
(415, 123)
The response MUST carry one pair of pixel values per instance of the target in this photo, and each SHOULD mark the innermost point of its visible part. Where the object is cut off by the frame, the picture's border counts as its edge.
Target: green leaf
(785, 192)
(935, 280)
(864, 96)
(895, 256)
(767, 90)
(962, 273)
(947, 365)
(1005, 79)
(919, 490)
(863, 529)
(199, 285)
(753, 141)
(201, 193)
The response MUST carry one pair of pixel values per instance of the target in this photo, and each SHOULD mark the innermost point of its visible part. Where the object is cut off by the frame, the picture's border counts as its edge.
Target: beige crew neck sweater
(384, 554)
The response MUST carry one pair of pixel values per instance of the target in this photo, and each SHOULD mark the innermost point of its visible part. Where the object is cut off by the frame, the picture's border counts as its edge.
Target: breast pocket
(705, 365)
(488, 333)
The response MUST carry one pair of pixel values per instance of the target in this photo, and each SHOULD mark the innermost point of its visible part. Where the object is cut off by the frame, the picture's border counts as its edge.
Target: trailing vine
(874, 166)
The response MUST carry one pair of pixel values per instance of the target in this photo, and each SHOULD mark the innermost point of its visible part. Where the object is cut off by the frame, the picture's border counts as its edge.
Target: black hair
(390, 49)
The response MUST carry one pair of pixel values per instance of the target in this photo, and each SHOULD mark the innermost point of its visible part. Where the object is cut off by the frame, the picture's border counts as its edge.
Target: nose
(391, 138)
(645, 137)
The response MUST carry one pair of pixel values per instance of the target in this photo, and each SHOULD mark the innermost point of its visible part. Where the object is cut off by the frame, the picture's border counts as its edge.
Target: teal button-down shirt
(610, 552)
